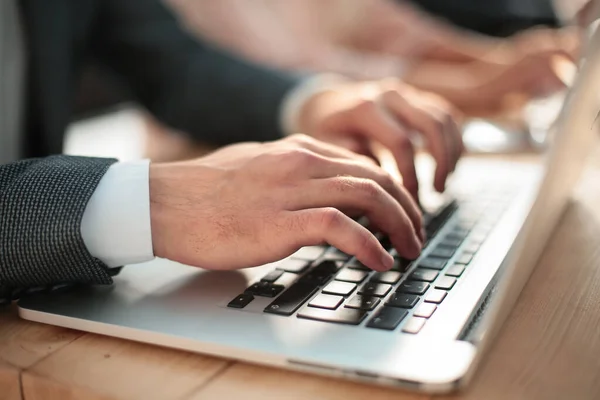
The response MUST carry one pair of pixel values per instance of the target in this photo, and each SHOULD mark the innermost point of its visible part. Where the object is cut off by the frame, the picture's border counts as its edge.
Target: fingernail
(387, 261)
(417, 244)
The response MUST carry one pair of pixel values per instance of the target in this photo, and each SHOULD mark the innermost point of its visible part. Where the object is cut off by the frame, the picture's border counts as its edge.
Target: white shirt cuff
(293, 102)
(116, 223)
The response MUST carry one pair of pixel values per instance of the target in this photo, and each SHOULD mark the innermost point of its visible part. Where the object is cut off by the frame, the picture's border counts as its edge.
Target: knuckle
(330, 218)
(300, 138)
(369, 189)
(300, 157)
(366, 107)
(386, 180)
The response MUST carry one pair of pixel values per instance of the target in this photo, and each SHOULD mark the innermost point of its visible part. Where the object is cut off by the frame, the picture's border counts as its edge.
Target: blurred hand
(391, 113)
(251, 204)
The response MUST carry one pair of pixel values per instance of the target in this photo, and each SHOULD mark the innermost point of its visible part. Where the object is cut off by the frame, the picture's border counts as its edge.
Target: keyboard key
(272, 276)
(342, 316)
(326, 301)
(403, 300)
(293, 265)
(436, 296)
(241, 301)
(413, 287)
(443, 252)
(445, 283)
(375, 289)
(323, 272)
(433, 263)
(425, 275)
(451, 242)
(472, 247)
(388, 318)
(293, 298)
(339, 288)
(391, 277)
(265, 289)
(465, 258)
(414, 325)
(401, 264)
(355, 264)
(425, 310)
(351, 275)
(456, 270)
(336, 255)
(366, 303)
(309, 253)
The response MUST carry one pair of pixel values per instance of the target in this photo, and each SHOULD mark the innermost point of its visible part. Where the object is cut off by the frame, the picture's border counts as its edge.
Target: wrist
(158, 191)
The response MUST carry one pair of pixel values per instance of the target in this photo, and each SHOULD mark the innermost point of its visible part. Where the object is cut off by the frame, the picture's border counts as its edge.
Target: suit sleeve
(42, 202)
(188, 85)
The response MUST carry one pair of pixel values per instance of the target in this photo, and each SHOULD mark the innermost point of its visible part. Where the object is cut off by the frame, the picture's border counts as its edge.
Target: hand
(251, 204)
(388, 112)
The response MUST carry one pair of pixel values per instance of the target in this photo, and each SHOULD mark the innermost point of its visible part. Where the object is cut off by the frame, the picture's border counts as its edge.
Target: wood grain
(39, 388)
(250, 382)
(23, 343)
(10, 386)
(127, 370)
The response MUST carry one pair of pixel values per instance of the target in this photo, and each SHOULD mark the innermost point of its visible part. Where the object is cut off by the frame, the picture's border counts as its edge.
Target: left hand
(390, 112)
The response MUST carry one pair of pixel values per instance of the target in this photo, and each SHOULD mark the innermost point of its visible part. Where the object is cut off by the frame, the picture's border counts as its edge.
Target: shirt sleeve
(116, 225)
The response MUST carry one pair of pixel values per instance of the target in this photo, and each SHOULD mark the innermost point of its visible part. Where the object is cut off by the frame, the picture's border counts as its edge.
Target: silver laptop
(424, 325)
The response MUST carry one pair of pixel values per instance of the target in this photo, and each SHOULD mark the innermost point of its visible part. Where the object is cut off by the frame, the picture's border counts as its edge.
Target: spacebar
(293, 298)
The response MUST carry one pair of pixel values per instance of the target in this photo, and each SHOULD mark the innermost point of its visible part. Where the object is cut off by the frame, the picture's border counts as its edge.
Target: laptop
(425, 325)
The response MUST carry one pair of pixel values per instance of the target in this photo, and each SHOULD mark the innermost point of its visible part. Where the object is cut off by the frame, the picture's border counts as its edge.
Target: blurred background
(475, 53)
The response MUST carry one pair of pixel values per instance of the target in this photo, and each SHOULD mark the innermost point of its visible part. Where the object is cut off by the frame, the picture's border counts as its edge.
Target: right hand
(251, 204)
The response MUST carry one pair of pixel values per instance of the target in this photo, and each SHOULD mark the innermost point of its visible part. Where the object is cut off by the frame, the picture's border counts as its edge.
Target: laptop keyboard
(331, 286)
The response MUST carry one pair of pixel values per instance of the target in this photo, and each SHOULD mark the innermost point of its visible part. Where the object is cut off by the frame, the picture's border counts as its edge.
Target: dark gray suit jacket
(187, 85)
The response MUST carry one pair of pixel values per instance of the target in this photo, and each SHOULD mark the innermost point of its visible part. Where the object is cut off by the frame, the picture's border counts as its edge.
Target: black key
(366, 303)
(265, 289)
(386, 243)
(443, 252)
(241, 301)
(445, 283)
(425, 310)
(414, 325)
(336, 255)
(309, 253)
(293, 265)
(460, 231)
(451, 242)
(388, 318)
(339, 288)
(456, 270)
(436, 296)
(403, 300)
(422, 274)
(355, 264)
(272, 276)
(375, 289)
(433, 263)
(457, 235)
(413, 287)
(347, 316)
(326, 301)
(391, 277)
(351, 275)
(322, 272)
(293, 298)
(401, 264)
(465, 258)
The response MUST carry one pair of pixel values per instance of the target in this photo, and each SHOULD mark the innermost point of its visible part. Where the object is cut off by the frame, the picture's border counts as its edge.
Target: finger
(382, 210)
(433, 130)
(352, 169)
(329, 225)
(372, 121)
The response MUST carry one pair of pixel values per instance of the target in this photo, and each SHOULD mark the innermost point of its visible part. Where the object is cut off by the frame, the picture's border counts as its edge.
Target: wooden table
(548, 349)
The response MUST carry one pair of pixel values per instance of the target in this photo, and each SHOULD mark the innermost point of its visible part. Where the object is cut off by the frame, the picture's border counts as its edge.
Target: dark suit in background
(493, 17)
(185, 84)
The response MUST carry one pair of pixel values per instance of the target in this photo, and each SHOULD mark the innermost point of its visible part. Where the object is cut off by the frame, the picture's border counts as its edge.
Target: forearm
(190, 86)
(42, 203)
